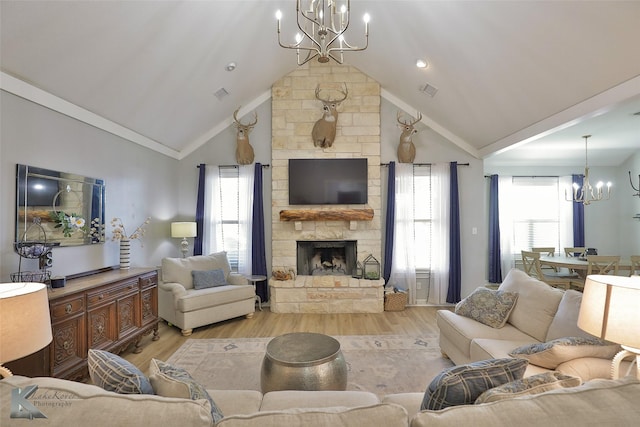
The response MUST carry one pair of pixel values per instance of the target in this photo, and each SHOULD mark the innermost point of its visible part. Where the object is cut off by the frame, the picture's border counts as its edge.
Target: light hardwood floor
(411, 321)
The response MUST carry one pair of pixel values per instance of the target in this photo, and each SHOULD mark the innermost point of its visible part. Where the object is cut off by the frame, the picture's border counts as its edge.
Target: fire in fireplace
(326, 257)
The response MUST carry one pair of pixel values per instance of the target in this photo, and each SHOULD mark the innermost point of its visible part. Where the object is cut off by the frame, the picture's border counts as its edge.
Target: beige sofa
(65, 403)
(541, 314)
(180, 304)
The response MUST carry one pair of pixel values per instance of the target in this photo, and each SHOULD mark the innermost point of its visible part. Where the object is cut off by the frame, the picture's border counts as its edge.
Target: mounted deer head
(406, 149)
(324, 131)
(244, 150)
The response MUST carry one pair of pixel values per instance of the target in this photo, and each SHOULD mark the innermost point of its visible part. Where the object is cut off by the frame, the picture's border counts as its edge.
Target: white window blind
(230, 212)
(536, 213)
(422, 216)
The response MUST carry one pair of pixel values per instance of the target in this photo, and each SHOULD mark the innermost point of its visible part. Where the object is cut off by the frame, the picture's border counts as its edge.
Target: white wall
(433, 148)
(609, 226)
(139, 183)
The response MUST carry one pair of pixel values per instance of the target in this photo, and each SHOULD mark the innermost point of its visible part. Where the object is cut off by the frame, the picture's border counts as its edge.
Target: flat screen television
(328, 181)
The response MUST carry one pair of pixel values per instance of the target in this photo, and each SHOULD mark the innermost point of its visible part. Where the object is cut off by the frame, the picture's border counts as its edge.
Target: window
(422, 216)
(536, 213)
(229, 212)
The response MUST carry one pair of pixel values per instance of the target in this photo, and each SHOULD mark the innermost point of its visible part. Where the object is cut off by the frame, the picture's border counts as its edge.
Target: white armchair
(181, 304)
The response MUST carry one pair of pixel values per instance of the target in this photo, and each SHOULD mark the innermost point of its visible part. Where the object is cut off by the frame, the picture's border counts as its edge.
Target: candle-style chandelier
(322, 24)
(587, 193)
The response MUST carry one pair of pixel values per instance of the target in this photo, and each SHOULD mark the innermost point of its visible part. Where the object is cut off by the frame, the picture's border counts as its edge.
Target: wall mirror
(69, 208)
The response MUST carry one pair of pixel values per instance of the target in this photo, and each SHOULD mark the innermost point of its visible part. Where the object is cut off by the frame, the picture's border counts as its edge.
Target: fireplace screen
(326, 257)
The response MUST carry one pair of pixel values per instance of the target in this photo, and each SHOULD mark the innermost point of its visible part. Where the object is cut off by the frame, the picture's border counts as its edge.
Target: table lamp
(25, 323)
(610, 311)
(183, 230)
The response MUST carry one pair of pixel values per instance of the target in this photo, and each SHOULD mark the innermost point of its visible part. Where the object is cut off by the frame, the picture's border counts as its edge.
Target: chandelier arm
(308, 58)
(349, 47)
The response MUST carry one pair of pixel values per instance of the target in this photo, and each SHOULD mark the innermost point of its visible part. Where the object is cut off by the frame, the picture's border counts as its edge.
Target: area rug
(381, 364)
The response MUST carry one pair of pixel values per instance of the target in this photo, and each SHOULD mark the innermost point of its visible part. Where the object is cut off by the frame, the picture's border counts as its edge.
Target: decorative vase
(125, 254)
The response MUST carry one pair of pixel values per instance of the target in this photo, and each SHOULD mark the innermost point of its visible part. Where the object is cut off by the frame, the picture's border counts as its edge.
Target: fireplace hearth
(326, 257)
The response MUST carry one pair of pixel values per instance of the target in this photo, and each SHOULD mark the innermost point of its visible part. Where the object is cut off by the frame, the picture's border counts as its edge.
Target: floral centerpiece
(120, 233)
(70, 223)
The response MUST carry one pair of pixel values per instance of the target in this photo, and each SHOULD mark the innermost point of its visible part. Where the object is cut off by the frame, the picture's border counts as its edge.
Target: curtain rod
(527, 176)
(425, 164)
(233, 166)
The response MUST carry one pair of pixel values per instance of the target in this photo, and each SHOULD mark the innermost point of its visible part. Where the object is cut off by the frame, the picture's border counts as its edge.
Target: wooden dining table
(579, 265)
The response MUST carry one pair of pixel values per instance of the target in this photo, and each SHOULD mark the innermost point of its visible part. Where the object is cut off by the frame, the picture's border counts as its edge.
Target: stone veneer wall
(294, 112)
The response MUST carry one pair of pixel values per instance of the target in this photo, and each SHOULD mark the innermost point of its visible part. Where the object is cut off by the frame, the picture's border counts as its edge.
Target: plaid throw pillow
(531, 385)
(113, 373)
(462, 385)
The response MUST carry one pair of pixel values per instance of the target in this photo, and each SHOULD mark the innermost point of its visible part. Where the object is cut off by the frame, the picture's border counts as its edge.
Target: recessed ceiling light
(421, 63)
(230, 66)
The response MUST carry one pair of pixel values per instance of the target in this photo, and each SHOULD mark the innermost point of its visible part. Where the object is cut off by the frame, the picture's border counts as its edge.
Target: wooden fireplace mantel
(326, 215)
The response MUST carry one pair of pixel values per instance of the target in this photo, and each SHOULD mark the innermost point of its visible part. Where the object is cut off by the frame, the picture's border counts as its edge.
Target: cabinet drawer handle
(68, 308)
(101, 296)
(66, 345)
(100, 329)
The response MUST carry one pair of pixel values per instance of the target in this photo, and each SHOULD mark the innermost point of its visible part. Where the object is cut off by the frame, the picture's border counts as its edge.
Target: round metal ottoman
(303, 361)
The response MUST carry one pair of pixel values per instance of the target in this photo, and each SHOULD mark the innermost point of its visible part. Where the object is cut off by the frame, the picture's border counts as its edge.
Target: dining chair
(635, 266)
(575, 252)
(546, 251)
(532, 266)
(603, 264)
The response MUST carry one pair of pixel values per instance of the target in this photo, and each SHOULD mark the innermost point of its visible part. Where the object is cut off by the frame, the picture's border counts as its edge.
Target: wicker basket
(395, 301)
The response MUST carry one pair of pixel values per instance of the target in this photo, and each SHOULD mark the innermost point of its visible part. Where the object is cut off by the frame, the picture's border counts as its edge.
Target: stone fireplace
(326, 257)
(294, 112)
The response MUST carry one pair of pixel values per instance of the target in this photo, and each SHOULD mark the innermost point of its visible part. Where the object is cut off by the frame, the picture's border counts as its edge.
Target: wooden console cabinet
(109, 311)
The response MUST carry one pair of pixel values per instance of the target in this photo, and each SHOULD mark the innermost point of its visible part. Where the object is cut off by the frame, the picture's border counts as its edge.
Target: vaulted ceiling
(526, 74)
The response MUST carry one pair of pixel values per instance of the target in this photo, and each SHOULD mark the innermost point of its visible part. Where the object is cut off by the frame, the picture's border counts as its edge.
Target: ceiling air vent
(429, 90)
(221, 93)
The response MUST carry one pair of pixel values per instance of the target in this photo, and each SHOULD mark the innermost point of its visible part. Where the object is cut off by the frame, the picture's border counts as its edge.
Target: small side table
(254, 278)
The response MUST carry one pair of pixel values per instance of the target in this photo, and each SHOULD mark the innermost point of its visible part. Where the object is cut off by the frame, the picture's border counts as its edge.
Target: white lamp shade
(25, 323)
(183, 229)
(610, 309)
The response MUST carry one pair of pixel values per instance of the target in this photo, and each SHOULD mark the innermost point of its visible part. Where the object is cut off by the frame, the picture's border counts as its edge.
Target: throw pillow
(462, 385)
(113, 373)
(565, 321)
(531, 385)
(488, 306)
(552, 353)
(173, 381)
(208, 279)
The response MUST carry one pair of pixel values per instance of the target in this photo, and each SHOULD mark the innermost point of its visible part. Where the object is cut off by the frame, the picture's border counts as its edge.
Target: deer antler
(344, 92)
(412, 123)
(239, 123)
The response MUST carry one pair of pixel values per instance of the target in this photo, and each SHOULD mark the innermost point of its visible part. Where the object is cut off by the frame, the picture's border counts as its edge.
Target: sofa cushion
(236, 402)
(530, 385)
(290, 399)
(565, 322)
(460, 331)
(487, 306)
(552, 353)
(463, 384)
(195, 300)
(536, 306)
(598, 402)
(203, 279)
(178, 270)
(380, 414)
(173, 381)
(112, 373)
(70, 403)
